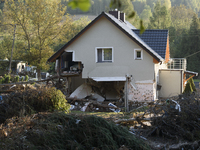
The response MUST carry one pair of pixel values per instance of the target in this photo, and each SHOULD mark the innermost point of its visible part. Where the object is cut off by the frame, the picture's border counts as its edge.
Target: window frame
(103, 61)
(135, 54)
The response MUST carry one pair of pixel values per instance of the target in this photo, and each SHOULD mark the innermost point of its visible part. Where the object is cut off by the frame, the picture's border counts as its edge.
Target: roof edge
(61, 50)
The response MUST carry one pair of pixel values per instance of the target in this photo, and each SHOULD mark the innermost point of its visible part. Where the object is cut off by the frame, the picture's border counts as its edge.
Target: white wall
(104, 34)
(171, 82)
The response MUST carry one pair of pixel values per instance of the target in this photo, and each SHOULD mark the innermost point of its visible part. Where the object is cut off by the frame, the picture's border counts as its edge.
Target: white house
(112, 57)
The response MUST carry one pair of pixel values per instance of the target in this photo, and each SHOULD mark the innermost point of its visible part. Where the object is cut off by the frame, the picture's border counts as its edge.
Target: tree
(161, 17)
(126, 6)
(122, 5)
(39, 24)
(167, 3)
(189, 45)
(151, 3)
(74, 28)
(146, 14)
(191, 4)
(193, 45)
(139, 6)
(181, 17)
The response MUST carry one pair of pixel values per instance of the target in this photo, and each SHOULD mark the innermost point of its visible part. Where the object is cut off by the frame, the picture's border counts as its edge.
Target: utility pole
(126, 94)
(9, 69)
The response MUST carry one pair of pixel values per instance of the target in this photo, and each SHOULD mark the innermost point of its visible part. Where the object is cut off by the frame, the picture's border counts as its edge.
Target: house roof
(156, 39)
(123, 26)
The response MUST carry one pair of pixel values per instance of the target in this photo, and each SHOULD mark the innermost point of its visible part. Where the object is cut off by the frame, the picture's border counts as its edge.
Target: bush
(6, 78)
(47, 99)
(27, 102)
(1, 80)
(191, 81)
(17, 79)
(22, 79)
(26, 78)
(58, 100)
(190, 87)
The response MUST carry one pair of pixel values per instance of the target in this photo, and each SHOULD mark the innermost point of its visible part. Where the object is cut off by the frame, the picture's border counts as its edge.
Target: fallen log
(7, 91)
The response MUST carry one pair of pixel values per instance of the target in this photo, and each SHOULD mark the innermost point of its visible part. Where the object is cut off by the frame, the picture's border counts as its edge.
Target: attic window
(104, 54)
(138, 54)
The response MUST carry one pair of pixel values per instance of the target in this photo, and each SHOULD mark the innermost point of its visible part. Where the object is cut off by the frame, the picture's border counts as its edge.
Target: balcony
(177, 63)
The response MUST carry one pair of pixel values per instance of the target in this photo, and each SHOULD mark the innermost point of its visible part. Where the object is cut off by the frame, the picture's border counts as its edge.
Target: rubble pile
(62, 131)
(89, 105)
(176, 118)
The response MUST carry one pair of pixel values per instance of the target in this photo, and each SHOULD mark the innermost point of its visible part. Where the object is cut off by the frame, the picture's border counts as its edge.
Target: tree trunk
(10, 67)
(39, 73)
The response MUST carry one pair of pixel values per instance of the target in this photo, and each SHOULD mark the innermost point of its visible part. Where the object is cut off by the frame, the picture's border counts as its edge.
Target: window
(104, 54)
(138, 54)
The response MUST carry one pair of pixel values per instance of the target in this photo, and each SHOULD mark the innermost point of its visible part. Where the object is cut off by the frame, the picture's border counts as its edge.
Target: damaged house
(110, 59)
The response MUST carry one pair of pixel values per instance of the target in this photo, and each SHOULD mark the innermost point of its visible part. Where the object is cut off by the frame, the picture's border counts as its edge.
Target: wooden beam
(185, 80)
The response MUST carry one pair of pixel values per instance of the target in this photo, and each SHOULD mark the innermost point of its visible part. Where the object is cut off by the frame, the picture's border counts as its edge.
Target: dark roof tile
(156, 39)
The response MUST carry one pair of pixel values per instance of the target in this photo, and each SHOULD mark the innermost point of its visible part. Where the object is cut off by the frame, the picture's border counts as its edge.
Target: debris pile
(89, 105)
(177, 118)
(62, 131)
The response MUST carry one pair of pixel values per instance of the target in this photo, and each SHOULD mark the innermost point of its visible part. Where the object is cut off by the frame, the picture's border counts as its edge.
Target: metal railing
(177, 63)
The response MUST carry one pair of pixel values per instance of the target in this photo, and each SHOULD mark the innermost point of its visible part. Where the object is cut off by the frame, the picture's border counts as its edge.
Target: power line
(192, 54)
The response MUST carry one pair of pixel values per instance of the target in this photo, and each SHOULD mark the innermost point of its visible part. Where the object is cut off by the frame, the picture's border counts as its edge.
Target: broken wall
(76, 82)
(142, 92)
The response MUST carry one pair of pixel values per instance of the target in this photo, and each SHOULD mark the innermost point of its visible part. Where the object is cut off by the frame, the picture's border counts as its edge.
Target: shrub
(17, 79)
(1, 80)
(191, 81)
(58, 100)
(190, 87)
(6, 78)
(26, 78)
(30, 101)
(22, 79)
(12, 79)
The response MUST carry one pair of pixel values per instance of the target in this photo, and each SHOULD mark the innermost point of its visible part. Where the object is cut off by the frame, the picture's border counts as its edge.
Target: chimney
(122, 16)
(117, 14)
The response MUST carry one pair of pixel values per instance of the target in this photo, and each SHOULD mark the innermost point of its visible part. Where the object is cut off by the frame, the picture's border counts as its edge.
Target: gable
(121, 26)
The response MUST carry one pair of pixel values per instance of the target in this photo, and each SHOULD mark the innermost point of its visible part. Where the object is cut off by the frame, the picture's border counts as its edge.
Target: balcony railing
(177, 63)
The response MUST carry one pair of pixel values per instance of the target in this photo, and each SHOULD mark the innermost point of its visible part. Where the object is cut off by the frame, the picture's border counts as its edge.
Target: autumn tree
(39, 24)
